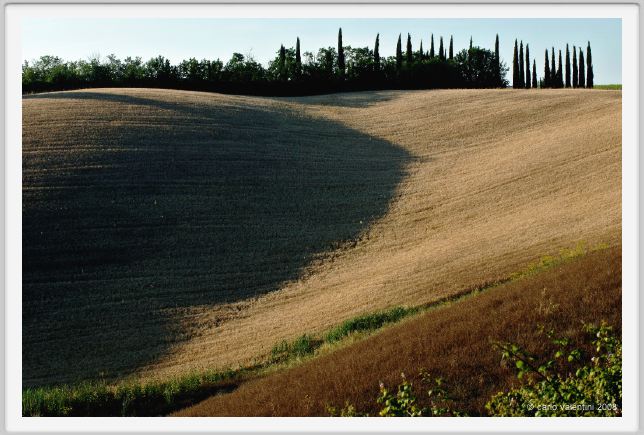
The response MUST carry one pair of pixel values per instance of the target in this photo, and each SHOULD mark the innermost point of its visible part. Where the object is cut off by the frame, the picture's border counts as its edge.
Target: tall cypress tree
(546, 72)
(567, 67)
(590, 76)
(409, 53)
(497, 61)
(527, 67)
(560, 83)
(298, 59)
(432, 54)
(534, 74)
(441, 50)
(451, 47)
(340, 54)
(470, 42)
(399, 56)
(582, 71)
(521, 67)
(575, 72)
(553, 70)
(420, 51)
(376, 54)
(515, 66)
(281, 65)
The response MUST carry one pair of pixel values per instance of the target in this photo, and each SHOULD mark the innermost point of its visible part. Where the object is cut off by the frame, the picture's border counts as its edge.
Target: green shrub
(569, 383)
(369, 322)
(301, 347)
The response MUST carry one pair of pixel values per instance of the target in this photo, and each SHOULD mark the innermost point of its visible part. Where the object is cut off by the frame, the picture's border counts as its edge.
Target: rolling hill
(170, 231)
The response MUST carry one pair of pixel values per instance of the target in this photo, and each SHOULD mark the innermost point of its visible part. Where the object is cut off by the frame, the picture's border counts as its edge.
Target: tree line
(291, 72)
(554, 76)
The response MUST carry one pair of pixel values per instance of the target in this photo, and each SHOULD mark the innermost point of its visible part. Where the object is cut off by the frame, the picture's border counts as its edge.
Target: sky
(178, 39)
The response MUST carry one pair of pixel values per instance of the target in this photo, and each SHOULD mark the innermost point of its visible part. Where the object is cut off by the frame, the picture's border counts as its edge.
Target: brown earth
(168, 231)
(452, 342)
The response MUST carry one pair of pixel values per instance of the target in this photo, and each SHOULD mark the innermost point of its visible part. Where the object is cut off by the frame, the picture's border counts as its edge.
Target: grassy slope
(191, 224)
(452, 342)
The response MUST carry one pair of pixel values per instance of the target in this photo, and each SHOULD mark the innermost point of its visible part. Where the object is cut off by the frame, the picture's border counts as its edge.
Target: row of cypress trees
(581, 74)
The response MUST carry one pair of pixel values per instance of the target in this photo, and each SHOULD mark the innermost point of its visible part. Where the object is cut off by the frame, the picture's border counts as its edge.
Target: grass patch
(369, 322)
(608, 87)
(98, 399)
(162, 398)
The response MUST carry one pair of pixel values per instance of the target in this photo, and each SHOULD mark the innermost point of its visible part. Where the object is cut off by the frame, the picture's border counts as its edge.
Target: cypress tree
(441, 50)
(527, 67)
(497, 60)
(470, 42)
(451, 47)
(521, 67)
(590, 76)
(422, 55)
(399, 56)
(582, 72)
(575, 72)
(560, 83)
(534, 74)
(546, 72)
(376, 54)
(431, 48)
(515, 66)
(410, 55)
(567, 67)
(553, 70)
(298, 59)
(281, 66)
(340, 54)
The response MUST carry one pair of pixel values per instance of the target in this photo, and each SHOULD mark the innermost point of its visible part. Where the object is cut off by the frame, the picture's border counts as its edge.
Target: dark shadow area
(148, 206)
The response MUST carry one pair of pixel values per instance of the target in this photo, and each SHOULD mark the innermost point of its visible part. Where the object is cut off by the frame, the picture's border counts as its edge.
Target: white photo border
(15, 13)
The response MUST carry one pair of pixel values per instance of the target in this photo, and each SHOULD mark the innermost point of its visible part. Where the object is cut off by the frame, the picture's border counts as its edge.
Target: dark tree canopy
(582, 70)
(553, 70)
(527, 67)
(575, 72)
(451, 47)
(515, 66)
(330, 69)
(399, 56)
(534, 74)
(341, 59)
(431, 48)
(567, 67)
(521, 67)
(589, 67)
(376, 54)
(547, 76)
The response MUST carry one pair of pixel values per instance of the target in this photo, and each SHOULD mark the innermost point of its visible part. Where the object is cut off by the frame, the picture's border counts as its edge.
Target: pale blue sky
(178, 39)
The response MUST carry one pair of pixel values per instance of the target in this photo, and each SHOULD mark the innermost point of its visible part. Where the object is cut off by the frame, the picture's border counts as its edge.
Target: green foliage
(369, 322)
(569, 382)
(301, 347)
(93, 399)
(402, 402)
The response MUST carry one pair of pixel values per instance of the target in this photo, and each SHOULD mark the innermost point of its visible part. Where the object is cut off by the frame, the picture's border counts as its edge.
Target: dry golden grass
(453, 342)
(389, 198)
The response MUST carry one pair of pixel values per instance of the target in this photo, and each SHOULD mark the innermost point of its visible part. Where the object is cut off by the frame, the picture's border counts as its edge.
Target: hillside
(167, 231)
(453, 342)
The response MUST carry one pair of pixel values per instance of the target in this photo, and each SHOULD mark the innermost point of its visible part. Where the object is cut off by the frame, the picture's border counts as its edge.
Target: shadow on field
(134, 207)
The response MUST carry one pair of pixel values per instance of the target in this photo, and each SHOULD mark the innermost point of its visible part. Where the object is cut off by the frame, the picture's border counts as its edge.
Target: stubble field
(169, 231)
